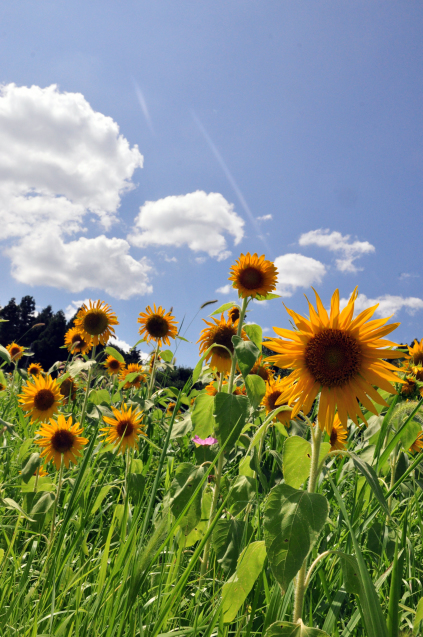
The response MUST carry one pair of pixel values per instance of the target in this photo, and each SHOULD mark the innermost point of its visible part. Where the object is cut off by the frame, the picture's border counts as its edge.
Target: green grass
(125, 558)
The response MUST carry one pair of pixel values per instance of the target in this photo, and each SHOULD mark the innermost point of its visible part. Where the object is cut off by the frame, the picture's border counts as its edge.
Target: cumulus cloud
(45, 259)
(225, 289)
(198, 220)
(349, 251)
(388, 304)
(73, 307)
(296, 270)
(59, 161)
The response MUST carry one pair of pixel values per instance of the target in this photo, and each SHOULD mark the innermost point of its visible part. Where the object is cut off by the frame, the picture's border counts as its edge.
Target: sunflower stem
(59, 488)
(153, 371)
(213, 510)
(90, 371)
(239, 331)
(300, 586)
(37, 475)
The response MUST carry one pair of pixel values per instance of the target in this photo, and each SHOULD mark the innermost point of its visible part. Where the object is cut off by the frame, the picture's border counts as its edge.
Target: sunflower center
(77, 338)
(157, 326)
(223, 336)
(44, 399)
(14, 351)
(263, 372)
(95, 322)
(62, 440)
(114, 364)
(333, 437)
(251, 278)
(124, 428)
(234, 314)
(272, 398)
(418, 358)
(333, 357)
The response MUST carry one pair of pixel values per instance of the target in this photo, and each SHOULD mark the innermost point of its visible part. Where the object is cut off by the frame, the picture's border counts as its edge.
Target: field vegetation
(276, 491)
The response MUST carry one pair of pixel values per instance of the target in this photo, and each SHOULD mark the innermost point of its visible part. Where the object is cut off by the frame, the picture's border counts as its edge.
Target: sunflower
(125, 427)
(416, 352)
(417, 371)
(96, 322)
(417, 445)
(338, 435)
(113, 366)
(234, 313)
(253, 275)
(219, 333)
(41, 398)
(136, 382)
(275, 390)
(157, 326)
(67, 389)
(76, 342)
(340, 356)
(263, 369)
(171, 408)
(35, 369)
(409, 387)
(16, 351)
(60, 439)
(211, 389)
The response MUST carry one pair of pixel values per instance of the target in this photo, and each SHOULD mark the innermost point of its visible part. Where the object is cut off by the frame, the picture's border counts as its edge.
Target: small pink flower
(206, 442)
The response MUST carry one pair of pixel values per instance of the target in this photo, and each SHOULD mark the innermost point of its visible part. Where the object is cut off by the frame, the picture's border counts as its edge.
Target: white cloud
(388, 304)
(58, 159)
(115, 340)
(73, 307)
(198, 220)
(350, 251)
(225, 289)
(296, 270)
(103, 263)
(265, 218)
(59, 162)
(408, 275)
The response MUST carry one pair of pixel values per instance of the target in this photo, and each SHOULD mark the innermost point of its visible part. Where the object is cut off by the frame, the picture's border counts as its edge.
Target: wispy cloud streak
(231, 180)
(143, 104)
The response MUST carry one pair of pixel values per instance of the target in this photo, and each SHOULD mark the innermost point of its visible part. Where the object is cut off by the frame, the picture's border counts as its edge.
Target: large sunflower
(416, 353)
(253, 275)
(338, 435)
(16, 351)
(158, 325)
(340, 356)
(137, 381)
(126, 426)
(96, 322)
(60, 439)
(35, 369)
(76, 342)
(113, 366)
(275, 390)
(41, 398)
(219, 333)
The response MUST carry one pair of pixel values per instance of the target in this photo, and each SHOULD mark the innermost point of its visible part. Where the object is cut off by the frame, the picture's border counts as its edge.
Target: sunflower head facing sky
(113, 366)
(16, 351)
(253, 275)
(76, 342)
(41, 398)
(61, 439)
(276, 390)
(157, 325)
(35, 369)
(339, 356)
(219, 333)
(124, 429)
(96, 322)
(137, 381)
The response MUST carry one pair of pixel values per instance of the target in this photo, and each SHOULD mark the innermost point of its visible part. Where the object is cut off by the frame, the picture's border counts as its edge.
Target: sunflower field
(275, 495)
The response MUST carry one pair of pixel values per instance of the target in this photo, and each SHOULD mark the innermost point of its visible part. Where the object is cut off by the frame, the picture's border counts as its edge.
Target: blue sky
(175, 126)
